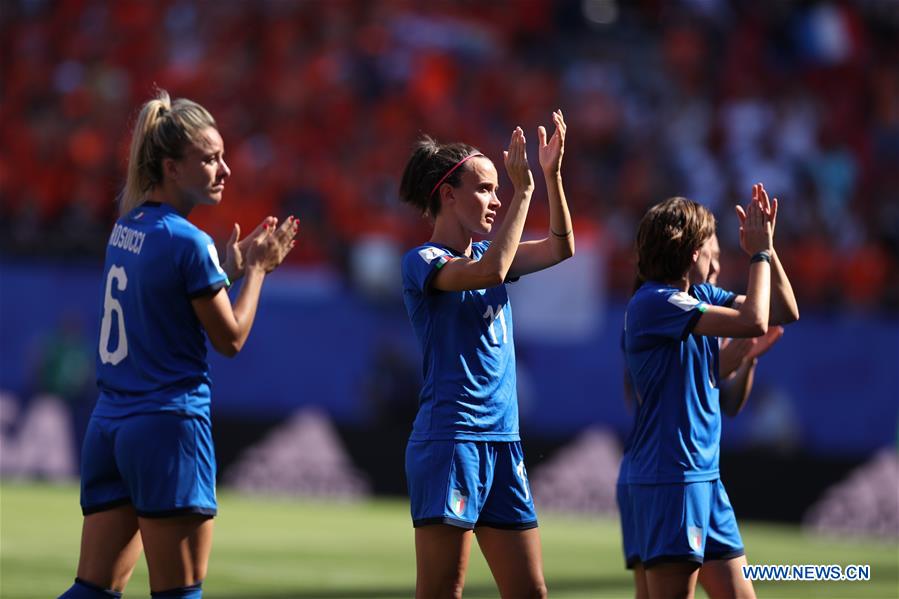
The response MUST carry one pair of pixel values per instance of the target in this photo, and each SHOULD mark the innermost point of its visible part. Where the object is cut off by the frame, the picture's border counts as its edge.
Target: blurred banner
(828, 388)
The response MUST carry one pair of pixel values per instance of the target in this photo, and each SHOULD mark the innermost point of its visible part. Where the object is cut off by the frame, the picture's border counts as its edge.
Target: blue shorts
(684, 522)
(628, 532)
(468, 484)
(163, 464)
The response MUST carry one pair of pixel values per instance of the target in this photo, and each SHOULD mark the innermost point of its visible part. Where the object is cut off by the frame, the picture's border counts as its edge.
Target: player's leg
(170, 465)
(507, 526)
(629, 542)
(110, 548)
(641, 591)
(722, 574)
(441, 561)
(110, 543)
(723, 579)
(672, 580)
(177, 550)
(515, 559)
(443, 481)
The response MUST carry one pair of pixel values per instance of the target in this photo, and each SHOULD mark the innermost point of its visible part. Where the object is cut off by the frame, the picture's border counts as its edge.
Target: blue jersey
(675, 376)
(466, 340)
(629, 440)
(624, 467)
(152, 350)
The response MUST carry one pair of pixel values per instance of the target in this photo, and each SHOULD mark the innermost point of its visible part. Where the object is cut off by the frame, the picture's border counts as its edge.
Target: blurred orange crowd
(320, 102)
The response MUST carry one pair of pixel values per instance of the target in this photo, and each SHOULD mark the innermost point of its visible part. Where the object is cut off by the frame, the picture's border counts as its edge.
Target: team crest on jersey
(213, 253)
(682, 300)
(694, 537)
(458, 501)
(430, 254)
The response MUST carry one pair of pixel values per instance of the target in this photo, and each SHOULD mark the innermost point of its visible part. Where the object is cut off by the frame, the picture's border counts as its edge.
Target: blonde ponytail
(162, 130)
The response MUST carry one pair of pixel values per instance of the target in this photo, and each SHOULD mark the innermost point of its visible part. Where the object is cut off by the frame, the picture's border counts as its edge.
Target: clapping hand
(236, 248)
(768, 210)
(516, 160)
(281, 239)
(550, 152)
(757, 222)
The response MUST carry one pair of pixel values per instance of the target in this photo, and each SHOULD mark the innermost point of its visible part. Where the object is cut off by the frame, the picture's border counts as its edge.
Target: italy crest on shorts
(458, 502)
(694, 537)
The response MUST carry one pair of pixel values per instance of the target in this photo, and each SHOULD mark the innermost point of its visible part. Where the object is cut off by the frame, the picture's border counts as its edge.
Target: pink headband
(450, 172)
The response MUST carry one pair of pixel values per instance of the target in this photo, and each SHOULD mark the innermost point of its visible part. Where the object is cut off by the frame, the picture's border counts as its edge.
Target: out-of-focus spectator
(65, 371)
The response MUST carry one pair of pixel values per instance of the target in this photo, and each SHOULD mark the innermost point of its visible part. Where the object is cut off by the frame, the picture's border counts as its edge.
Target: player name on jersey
(127, 239)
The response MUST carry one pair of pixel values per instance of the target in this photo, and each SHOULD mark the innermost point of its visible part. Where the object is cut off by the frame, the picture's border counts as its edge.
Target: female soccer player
(682, 516)
(148, 466)
(464, 464)
(736, 368)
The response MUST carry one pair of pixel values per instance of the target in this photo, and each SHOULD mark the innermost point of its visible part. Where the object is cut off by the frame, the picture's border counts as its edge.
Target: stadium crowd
(319, 104)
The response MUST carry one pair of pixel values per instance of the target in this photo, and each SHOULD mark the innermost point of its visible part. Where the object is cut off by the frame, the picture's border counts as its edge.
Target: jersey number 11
(492, 315)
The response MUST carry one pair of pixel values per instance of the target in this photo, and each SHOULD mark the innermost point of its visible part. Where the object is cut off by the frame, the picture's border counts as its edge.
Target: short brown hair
(668, 235)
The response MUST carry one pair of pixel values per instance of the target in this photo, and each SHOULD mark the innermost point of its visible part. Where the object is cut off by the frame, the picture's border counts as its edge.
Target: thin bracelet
(763, 256)
(561, 235)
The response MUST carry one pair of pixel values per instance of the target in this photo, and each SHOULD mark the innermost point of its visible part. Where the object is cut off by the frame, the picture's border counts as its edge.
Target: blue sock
(87, 590)
(194, 591)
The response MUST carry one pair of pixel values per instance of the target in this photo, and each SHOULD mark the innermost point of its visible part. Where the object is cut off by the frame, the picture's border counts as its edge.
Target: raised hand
(236, 248)
(269, 249)
(760, 216)
(285, 235)
(755, 230)
(768, 208)
(269, 222)
(234, 263)
(516, 161)
(550, 152)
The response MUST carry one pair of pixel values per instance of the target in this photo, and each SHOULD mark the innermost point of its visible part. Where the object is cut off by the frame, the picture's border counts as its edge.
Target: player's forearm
(497, 260)
(784, 308)
(246, 304)
(561, 232)
(755, 309)
(736, 392)
(729, 360)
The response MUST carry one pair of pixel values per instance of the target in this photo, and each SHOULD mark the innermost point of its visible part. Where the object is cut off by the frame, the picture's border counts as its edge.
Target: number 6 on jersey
(110, 305)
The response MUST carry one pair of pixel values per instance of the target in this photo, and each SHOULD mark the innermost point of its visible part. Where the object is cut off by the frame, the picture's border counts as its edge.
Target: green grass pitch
(301, 549)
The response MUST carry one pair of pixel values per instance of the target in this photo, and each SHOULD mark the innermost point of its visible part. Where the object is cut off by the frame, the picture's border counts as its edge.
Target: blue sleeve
(479, 248)
(670, 314)
(715, 295)
(198, 263)
(421, 264)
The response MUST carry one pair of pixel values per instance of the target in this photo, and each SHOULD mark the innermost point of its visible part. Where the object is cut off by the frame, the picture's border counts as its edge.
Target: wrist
(255, 269)
(761, 256)
(524, 192)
